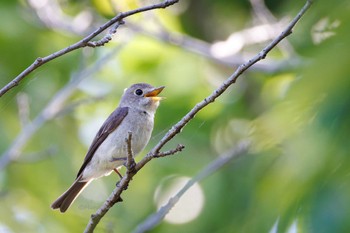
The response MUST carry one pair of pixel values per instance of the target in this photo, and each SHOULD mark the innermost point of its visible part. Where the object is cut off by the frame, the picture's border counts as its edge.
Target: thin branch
(179, 148)
(153, 220)
(107, 38)
(265, 16)
(155, 152)
(228, 82)
(82, 43)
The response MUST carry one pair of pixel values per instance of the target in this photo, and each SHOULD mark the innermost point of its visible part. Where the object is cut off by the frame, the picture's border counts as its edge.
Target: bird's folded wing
(112, 123)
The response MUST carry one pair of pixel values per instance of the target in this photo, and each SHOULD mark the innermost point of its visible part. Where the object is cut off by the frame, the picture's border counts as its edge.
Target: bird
(108, 150)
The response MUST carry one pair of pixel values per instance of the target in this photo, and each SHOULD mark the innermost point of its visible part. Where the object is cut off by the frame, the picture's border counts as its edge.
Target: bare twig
(107, 38)
(266, 17)
(82, 43)
(153, 220)
(228, 82)
(155, 152)
(179, 148)
(50, 111)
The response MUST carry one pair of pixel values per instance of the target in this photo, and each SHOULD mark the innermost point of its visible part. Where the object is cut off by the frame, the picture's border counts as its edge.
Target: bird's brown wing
(112, 122)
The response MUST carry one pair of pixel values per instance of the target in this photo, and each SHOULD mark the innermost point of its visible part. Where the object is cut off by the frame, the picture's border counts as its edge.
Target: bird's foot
(131, 166)
(118, 185)
(121, 177)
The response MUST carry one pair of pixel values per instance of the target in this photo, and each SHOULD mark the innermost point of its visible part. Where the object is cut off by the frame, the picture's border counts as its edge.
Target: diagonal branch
(176, 129)
(84, 42)
(178, 148)
(226, 84)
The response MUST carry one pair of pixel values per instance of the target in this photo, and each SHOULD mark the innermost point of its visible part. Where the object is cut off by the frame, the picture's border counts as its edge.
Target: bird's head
(142, 96)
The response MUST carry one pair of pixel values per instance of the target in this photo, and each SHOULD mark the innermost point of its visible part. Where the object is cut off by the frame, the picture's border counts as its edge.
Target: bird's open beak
(154, 93)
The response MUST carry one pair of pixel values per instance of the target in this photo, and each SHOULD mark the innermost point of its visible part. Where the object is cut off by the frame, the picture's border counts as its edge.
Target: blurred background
(293, 106)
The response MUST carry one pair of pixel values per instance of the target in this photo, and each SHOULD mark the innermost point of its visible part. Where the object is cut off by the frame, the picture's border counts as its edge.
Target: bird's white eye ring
(138, 92)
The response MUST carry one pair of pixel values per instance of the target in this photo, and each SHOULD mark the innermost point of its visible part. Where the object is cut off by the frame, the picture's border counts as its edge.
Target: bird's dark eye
(138, 92)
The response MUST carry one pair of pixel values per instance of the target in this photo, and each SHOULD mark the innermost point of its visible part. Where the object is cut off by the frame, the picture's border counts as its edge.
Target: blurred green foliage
(297, 173)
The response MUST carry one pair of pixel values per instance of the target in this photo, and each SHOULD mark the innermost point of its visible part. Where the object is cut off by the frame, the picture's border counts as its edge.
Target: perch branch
(155, 152)
(118, 19)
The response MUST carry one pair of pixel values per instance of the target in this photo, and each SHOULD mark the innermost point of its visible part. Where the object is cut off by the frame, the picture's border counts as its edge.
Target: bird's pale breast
(112, 152)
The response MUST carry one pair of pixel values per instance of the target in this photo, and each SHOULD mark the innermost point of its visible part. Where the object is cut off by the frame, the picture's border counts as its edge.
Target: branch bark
(176, 129)
(85, 42)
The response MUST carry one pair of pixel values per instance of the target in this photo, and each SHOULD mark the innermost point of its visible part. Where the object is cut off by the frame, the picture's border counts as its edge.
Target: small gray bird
(108, 150)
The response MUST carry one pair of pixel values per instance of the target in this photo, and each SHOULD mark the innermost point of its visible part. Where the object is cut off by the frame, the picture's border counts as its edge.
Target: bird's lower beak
(154, 93)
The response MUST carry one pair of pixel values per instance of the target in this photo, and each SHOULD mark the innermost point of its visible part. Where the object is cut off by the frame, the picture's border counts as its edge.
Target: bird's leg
(130, 167)
(120, 176)
(116, 171)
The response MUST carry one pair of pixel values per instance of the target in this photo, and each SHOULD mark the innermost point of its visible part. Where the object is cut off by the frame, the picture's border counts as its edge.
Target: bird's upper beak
(154, 93)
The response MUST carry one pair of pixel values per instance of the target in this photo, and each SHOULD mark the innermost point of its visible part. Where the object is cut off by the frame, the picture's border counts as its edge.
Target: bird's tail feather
(67, 198)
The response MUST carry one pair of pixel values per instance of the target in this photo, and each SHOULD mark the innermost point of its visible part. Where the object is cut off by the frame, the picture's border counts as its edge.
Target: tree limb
(84, 42)
(228, 82)
(155, 152)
